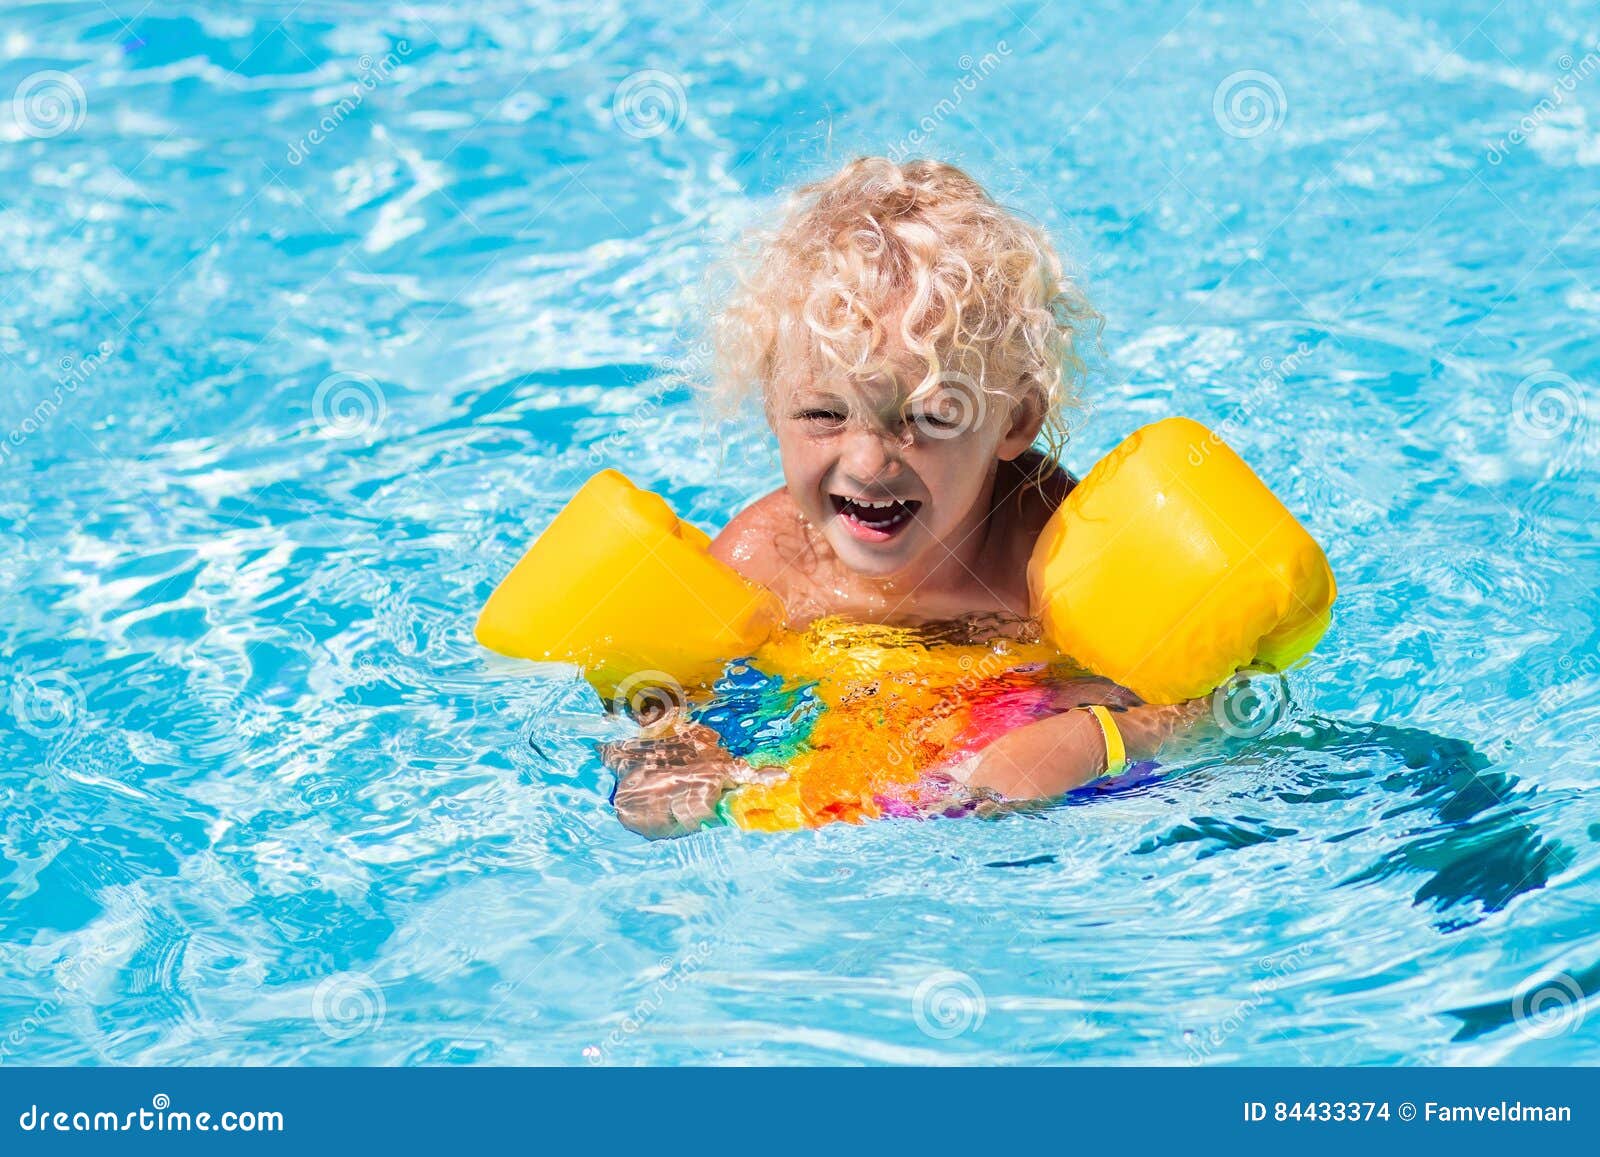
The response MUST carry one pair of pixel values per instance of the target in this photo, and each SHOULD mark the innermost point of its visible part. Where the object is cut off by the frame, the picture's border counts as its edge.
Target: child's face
(895, 487)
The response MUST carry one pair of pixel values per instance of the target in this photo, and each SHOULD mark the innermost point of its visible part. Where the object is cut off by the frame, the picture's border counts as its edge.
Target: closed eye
(822, 417)
(934, 421)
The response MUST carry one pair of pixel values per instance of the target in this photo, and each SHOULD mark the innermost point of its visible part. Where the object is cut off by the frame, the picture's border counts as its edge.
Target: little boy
(910, 341)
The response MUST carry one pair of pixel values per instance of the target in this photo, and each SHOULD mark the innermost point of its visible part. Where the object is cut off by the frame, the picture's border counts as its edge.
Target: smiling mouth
(872, 521)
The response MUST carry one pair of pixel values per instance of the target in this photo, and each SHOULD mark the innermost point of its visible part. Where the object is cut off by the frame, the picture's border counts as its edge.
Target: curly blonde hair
(915, 255)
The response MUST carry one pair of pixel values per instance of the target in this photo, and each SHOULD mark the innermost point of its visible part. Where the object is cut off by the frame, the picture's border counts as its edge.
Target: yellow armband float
(622, 587)
(1171, 566)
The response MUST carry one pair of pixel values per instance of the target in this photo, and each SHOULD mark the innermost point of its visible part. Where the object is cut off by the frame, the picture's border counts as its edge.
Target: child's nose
(870, 456)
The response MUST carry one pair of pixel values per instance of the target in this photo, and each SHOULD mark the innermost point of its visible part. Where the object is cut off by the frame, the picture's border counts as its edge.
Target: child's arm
(668, 785)
(1052, 756)
(670, 780)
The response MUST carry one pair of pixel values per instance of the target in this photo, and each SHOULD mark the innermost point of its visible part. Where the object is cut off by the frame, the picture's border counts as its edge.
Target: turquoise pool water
(314, 313)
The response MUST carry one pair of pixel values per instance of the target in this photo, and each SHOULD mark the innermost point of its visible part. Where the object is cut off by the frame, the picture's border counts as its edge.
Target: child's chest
(812, 589)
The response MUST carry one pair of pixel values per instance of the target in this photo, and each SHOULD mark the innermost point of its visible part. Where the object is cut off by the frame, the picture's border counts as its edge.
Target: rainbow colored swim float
(867, 728)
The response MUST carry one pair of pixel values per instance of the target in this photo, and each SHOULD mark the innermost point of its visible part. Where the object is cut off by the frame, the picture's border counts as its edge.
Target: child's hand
(668, 785)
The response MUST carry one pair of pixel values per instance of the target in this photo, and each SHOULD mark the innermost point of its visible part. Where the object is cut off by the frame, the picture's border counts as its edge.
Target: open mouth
(872, 521)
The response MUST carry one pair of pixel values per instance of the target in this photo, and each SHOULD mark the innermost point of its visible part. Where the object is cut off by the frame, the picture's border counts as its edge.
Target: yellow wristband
(1116, 749)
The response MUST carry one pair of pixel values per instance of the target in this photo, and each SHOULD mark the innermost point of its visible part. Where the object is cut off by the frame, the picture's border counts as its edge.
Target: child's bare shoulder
(765, 540)
(1030, 493)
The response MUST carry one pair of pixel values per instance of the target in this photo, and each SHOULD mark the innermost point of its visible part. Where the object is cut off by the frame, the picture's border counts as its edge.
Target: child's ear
(1027, 419)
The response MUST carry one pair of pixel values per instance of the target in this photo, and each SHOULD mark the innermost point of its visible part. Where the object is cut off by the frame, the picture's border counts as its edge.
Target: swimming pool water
(314, 313)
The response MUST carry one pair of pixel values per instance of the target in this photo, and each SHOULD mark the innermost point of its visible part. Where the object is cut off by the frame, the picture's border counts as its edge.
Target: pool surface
(314, 313)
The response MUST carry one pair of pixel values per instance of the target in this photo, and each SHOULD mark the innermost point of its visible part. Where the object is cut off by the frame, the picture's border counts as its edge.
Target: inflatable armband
(622, 587)
(1171, 566)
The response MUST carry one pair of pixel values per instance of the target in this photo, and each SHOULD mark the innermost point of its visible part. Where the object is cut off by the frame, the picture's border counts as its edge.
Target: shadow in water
(1550, 1005)
(1460, 823)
